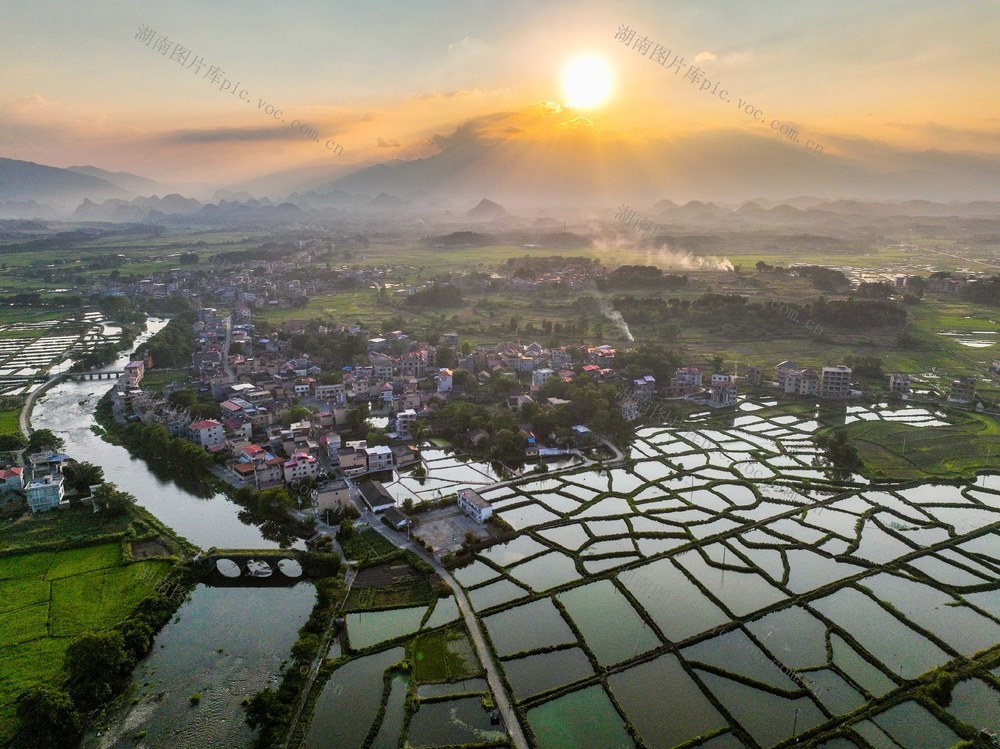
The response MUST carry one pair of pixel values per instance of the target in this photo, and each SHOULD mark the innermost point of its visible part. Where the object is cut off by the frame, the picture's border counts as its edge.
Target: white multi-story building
(474, 506)
(444, 381)
(835, 382)
(336, 394)
(539, 377)
(963, 390)
(723, 391)
(783, 371)
(643, 388)
(379, 458)
(802, 382)
(899, 383)
(629, 409)
(405, 421)
(206, 432)
(45, 493)
(300, 466)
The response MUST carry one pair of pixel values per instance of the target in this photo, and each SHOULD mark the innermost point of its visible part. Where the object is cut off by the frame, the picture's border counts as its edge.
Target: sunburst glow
(586, 81)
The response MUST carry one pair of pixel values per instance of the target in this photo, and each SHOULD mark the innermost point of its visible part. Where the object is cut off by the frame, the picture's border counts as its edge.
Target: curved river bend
(68, 410)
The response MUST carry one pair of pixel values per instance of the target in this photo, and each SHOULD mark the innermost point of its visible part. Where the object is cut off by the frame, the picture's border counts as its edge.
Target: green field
(367, 545)
(63, 528)
(155, 379)
(9, 421)
(898, 451)
(47, 598)
(443, 655)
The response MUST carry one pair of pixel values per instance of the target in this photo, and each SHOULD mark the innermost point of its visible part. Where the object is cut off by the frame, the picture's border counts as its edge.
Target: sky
(862, 80)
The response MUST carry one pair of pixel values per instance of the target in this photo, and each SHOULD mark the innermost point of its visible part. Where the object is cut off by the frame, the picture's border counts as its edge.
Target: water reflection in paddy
(644, 690)
(535, 674)
(350, 699)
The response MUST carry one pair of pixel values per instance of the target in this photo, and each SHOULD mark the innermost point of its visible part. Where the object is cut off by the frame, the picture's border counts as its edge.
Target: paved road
(503, 701)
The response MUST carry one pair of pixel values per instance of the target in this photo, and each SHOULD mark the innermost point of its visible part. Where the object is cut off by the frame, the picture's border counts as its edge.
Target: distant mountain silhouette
(130, 183)
(22, 181)
(487, 210)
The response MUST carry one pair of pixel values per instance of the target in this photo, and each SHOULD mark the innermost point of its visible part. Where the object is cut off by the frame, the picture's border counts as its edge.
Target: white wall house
(45, 493)
(206, 432)
(474, 506)
(379, 458)
(300, 466)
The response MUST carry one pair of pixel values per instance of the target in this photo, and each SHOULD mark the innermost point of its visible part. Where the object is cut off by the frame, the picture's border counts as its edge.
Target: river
(68, 410)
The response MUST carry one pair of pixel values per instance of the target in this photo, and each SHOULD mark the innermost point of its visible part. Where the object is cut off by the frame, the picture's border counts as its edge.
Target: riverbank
(71, 573)
(25, 417)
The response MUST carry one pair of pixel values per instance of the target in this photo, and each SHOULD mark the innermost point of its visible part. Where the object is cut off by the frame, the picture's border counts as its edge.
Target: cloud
(467, 48)
(383, 143)
(578, 122)
(706, 55)
(949, 133)
(231, 135)
(449, 94)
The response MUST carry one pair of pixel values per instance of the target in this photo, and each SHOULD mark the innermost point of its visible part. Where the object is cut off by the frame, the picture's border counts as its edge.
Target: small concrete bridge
(97, 375)
(75, 376)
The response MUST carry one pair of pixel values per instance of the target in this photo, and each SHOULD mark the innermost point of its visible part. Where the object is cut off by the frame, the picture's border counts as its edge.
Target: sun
(586, 81)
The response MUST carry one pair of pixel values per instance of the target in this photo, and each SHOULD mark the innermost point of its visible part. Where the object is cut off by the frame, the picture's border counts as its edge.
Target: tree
(81, 476)
(509, 445)
(182, 398)
(346, 530)
(43, 439)
(274, 503)
(331, 378)
(841, 455)
(357, 417)
(264, 710)
(466, 348)
(137, 635)
(444, 357)
(94, 661)
(113, 501)
(295, 413)
(48, 718)
(11, 441)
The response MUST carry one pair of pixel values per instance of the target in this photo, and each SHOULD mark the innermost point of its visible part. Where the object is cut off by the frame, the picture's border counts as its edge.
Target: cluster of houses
(41, 483)
(827, 382)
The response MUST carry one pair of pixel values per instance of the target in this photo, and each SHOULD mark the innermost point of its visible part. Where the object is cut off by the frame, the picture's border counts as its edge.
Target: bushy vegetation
(436, 295)
(737, 315)
(984, 291)
(173, 346)
(269, 710)
(168, 457)
(640, 277)
(840, 454)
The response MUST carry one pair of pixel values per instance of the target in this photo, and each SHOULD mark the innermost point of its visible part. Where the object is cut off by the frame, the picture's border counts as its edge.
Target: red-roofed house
(206, 432)
(300, 466)
(11, 479)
